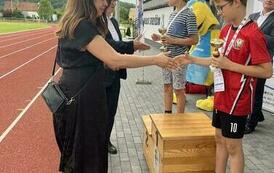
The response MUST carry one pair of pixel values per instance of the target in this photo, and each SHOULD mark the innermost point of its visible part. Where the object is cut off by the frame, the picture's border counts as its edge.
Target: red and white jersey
(249, 48)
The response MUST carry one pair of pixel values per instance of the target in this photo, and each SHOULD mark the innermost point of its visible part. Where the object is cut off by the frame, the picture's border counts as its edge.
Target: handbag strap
(72, 99)
(80, 90)
(55, 60)
(54, 66)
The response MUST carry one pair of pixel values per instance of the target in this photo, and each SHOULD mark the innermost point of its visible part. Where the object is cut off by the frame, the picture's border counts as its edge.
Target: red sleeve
(258, 49)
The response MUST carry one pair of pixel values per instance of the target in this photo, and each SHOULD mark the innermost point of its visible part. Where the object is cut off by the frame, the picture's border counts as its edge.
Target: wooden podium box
(179, 143)
(148, 143)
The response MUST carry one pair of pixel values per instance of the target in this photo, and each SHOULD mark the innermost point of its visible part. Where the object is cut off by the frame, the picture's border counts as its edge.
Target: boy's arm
(191, 40)
(263, 70)
(185, 59)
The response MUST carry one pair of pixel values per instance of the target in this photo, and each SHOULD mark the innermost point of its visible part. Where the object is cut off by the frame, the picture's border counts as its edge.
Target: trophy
(216, 44)
(163, 31)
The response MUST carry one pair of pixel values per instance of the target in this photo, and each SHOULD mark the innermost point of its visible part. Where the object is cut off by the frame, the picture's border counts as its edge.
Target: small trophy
(216, 44)
(163, 31)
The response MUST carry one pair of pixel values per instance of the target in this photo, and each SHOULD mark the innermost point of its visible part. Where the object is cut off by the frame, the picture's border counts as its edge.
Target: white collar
(266, 14)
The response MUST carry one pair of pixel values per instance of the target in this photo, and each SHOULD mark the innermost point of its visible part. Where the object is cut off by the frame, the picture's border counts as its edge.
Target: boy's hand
(138, 45)
(156, 37)
(167, 40)
(183, 59)
(221, 62)
(138, 38)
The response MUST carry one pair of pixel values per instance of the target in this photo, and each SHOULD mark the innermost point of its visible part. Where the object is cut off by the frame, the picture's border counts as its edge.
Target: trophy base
(143, 82)
(163, 49)
(213, 69)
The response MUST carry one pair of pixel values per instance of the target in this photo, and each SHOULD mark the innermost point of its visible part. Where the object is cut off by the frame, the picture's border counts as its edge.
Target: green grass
(8, 27)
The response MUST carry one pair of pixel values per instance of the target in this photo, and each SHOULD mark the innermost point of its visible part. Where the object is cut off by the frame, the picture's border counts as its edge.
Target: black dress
(81, 127)
(112, 81)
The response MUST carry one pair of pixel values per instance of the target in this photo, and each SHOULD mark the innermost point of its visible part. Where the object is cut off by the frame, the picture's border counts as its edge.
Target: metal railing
(13, 19)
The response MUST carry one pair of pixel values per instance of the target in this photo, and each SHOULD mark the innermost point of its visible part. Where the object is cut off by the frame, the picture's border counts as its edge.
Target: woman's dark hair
(77, 10)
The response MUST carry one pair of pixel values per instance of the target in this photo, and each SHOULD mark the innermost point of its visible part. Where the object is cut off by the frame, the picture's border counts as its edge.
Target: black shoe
(249, 129)
(261, 119)
(112, 149)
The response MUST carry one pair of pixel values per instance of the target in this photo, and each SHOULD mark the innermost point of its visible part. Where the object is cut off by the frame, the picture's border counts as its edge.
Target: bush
(17, 14)
(7, 14)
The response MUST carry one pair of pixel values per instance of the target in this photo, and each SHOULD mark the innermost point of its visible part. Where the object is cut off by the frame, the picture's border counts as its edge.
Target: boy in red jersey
(244, 57)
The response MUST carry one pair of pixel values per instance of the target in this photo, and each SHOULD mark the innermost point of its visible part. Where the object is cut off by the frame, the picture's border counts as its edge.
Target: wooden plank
(194, 152)
(188, 168)
(190, 143)
(183, 126)
(148, 153)
(175, 135)
(147, 123)
(210, 160)
(186, 114)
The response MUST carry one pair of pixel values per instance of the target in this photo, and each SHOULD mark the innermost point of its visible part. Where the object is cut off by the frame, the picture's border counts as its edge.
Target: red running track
(27, 142)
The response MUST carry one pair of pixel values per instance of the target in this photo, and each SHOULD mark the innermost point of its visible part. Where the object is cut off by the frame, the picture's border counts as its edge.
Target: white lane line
(12, 34)
(25, 40)
(1, 57)
(12, 125)
(1, 77)
(23, 36)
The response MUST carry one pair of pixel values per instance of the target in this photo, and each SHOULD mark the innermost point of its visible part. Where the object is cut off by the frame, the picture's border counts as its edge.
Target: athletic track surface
(27, 142)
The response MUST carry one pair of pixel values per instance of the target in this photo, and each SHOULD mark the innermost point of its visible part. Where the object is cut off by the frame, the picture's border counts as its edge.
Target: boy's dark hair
(244, 2)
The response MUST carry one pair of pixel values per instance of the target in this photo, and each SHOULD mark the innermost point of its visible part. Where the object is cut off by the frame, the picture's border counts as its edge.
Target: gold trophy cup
(163, 31)
(216, 44)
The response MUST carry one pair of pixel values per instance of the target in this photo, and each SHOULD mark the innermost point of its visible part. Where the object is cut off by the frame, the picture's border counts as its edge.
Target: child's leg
(236, 155)
(233, 131)
(168, 97)
(221, 152)
(168, 90)
(181, 100)
(179, 82)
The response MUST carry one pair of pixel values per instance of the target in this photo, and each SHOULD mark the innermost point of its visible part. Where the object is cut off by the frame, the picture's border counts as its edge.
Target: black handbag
(53, 94)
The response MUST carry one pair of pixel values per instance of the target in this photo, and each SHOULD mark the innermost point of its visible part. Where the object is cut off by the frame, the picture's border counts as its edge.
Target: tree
(59, 12)
(17, 14)
(45, 10)
(124, 14)
(124, 11)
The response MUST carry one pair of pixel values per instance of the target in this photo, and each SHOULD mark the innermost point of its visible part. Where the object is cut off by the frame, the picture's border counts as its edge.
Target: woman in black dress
(81, 128)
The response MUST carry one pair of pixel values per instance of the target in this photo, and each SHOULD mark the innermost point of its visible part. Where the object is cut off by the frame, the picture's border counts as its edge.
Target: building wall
(30, 14)
(254, 6)
(155, 15)
(154, 19)
(148, 5)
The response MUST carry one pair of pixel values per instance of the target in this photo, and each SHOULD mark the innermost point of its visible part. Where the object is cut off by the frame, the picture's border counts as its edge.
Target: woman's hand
(162, 60)
(156, 37)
